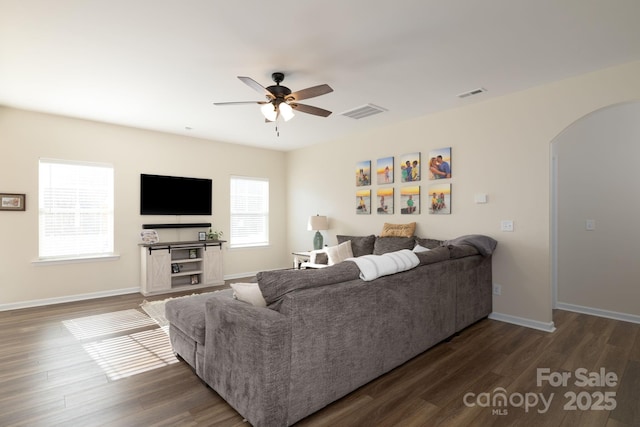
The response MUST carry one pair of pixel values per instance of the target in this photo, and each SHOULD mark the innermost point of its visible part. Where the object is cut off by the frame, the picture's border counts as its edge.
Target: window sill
(76, 260)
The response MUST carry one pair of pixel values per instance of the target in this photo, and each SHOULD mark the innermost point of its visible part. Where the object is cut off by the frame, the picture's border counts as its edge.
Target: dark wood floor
(50, 377)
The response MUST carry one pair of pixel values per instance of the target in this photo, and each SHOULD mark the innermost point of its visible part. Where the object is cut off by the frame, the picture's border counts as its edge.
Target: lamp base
(317, 241)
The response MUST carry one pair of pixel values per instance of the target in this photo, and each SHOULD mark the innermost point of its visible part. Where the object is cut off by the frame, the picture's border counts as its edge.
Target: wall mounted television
(174, 195)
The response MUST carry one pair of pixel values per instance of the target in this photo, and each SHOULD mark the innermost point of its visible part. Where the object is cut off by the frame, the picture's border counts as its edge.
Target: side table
(300, 257)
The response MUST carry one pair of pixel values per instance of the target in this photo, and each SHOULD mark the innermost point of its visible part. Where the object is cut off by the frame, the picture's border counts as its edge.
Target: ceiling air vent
(364, 111)
(472, 92)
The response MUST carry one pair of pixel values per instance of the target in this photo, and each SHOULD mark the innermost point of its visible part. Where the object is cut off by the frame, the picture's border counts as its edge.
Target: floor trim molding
(69, 298)
(521, 321)
(632, 318)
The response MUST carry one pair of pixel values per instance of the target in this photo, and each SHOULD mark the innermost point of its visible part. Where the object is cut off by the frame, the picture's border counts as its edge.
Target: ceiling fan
(280, 101)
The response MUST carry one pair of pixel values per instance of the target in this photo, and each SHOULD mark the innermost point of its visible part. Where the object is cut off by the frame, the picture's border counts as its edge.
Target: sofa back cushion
(360, 245)
(276, 284)
(385, 245)
(428, 243)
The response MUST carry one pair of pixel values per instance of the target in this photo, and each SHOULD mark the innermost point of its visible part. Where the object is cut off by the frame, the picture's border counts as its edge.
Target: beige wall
(26, 136)
(598, 179)
(500, 147)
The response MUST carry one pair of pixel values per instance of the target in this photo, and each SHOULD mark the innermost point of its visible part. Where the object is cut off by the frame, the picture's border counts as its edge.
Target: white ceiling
(160, 64)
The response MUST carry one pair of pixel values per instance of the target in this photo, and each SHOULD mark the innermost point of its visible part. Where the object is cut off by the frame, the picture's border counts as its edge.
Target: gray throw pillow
(360, 245)
(385, 245)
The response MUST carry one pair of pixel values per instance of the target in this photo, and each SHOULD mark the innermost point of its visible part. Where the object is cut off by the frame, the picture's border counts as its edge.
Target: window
(75, 209)
(249, 212)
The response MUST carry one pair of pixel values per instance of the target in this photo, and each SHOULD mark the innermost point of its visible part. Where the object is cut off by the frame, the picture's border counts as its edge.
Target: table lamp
(317, 223)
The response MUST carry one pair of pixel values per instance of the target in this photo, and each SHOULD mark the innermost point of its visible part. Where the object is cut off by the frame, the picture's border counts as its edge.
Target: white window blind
(249, 212)
(75, 209)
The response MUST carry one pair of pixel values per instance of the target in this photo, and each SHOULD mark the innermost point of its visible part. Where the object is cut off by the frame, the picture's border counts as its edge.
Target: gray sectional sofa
(326, 332)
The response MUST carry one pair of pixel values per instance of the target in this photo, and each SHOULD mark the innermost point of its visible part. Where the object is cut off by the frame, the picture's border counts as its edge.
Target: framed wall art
(384, 170)
(363, 173)
(363, 202)
(410, 200)
(440, 163)
(410, 167)
(12, 202)
(385, 201)
(440, 199)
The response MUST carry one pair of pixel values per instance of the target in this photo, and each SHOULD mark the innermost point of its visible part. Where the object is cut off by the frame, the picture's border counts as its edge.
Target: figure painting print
(440, 163)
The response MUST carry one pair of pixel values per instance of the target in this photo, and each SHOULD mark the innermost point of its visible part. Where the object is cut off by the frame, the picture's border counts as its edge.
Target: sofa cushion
(339, 253)
(360, 245)
(428, 243)
(398, 230)
(248, 292)
(385, 245)
(441, 253)
(187, 313)
(276, 284)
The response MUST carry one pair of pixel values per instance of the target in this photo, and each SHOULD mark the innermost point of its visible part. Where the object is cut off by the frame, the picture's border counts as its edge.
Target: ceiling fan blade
(311, 92)
(256, 86)
(240, 103)
(310, 110)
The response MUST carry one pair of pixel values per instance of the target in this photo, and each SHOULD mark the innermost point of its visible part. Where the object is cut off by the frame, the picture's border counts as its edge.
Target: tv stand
(178, 266)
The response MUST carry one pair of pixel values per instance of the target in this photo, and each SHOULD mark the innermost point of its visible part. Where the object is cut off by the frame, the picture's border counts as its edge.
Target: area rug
(155, 310)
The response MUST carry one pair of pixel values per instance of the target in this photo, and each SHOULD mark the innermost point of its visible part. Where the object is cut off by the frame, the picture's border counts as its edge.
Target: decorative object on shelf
(410, 199)
(12, 202)
(202, 235)
(193, 253)
(440, 163)
(363, 202)
(317, 223)
(214, 235)
(175, 268)
(440, 199)
(149, 236)
(410, 167)
(363, 173)
(194, 279)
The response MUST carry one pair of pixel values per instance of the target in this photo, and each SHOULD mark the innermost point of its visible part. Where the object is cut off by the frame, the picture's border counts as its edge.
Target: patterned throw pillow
(339, 253)
(398, 230)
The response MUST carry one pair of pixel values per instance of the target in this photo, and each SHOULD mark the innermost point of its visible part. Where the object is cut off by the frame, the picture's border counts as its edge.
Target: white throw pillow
(339, 253)
(419, 248)
(248, 292)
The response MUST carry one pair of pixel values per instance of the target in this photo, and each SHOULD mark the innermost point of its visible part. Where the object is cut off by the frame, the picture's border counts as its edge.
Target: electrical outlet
(497, 289)
(590, 224)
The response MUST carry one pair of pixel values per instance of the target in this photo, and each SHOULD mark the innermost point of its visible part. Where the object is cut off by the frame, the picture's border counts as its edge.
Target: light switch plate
(506, 225)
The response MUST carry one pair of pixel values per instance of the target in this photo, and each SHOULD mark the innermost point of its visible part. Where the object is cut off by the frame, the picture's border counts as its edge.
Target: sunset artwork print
(385, 201)
(440, 199)
(384, 170)
(410, 167)
(410, 200)
(440, 163)
(363, 173)
(363, 202)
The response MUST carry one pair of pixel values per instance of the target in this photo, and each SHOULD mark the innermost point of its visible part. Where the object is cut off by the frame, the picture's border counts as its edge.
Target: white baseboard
(70, 298)
(599, 312)
(521, 321)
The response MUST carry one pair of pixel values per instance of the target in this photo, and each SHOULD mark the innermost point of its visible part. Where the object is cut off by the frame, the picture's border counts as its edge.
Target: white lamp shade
(269, 112)
(286, 111)
(318, 222)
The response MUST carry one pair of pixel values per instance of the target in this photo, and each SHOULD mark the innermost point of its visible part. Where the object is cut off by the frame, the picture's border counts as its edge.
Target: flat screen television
(174, 195)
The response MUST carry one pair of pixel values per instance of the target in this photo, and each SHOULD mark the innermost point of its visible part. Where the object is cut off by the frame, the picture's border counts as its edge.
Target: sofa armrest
(247, 359)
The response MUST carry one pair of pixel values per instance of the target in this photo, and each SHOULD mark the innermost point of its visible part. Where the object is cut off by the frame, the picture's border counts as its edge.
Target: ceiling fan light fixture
(269, 112)
(286, 111)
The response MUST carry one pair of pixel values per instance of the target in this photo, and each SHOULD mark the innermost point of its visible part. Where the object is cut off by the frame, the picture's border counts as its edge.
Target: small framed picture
(12, 202)
(194, 279)
(193, 253)
(202, 236)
